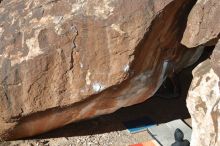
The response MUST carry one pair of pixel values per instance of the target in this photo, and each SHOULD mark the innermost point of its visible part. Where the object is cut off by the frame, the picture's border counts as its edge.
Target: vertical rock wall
(203, 102)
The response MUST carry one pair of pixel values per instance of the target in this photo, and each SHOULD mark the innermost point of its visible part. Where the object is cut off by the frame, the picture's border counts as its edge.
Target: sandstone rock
(203, 25)
(215, 59)
(64, 61)
(203, 29)
(203, 102)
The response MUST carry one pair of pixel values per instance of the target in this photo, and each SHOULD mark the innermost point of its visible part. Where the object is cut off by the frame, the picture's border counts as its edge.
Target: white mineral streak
(1, 31)
(33, 47)
(101, 10)
(88, 81)
(126, 68)
(97, 87)
(104, 10)
(163, 74)
(117, 28)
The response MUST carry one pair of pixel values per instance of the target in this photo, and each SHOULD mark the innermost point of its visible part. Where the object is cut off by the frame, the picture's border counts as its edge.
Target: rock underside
(64, 61)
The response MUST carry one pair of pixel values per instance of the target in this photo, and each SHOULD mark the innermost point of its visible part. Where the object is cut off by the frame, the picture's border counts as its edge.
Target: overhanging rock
(64, 61)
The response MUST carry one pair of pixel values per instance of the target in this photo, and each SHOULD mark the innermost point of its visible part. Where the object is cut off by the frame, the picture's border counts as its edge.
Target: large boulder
(203, 103)
(203, 29)
(64, 61)
(203, 25)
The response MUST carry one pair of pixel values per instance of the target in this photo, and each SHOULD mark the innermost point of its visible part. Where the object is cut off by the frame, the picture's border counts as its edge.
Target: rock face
(203, 26)
(203, 103)
(64, 61)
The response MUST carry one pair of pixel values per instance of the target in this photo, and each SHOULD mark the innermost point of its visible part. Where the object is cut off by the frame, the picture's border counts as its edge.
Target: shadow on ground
(160, 110)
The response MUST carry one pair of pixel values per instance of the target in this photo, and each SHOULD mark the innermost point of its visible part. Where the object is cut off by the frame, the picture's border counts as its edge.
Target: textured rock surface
(203, 103)
(63, 61)
(203, 26)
